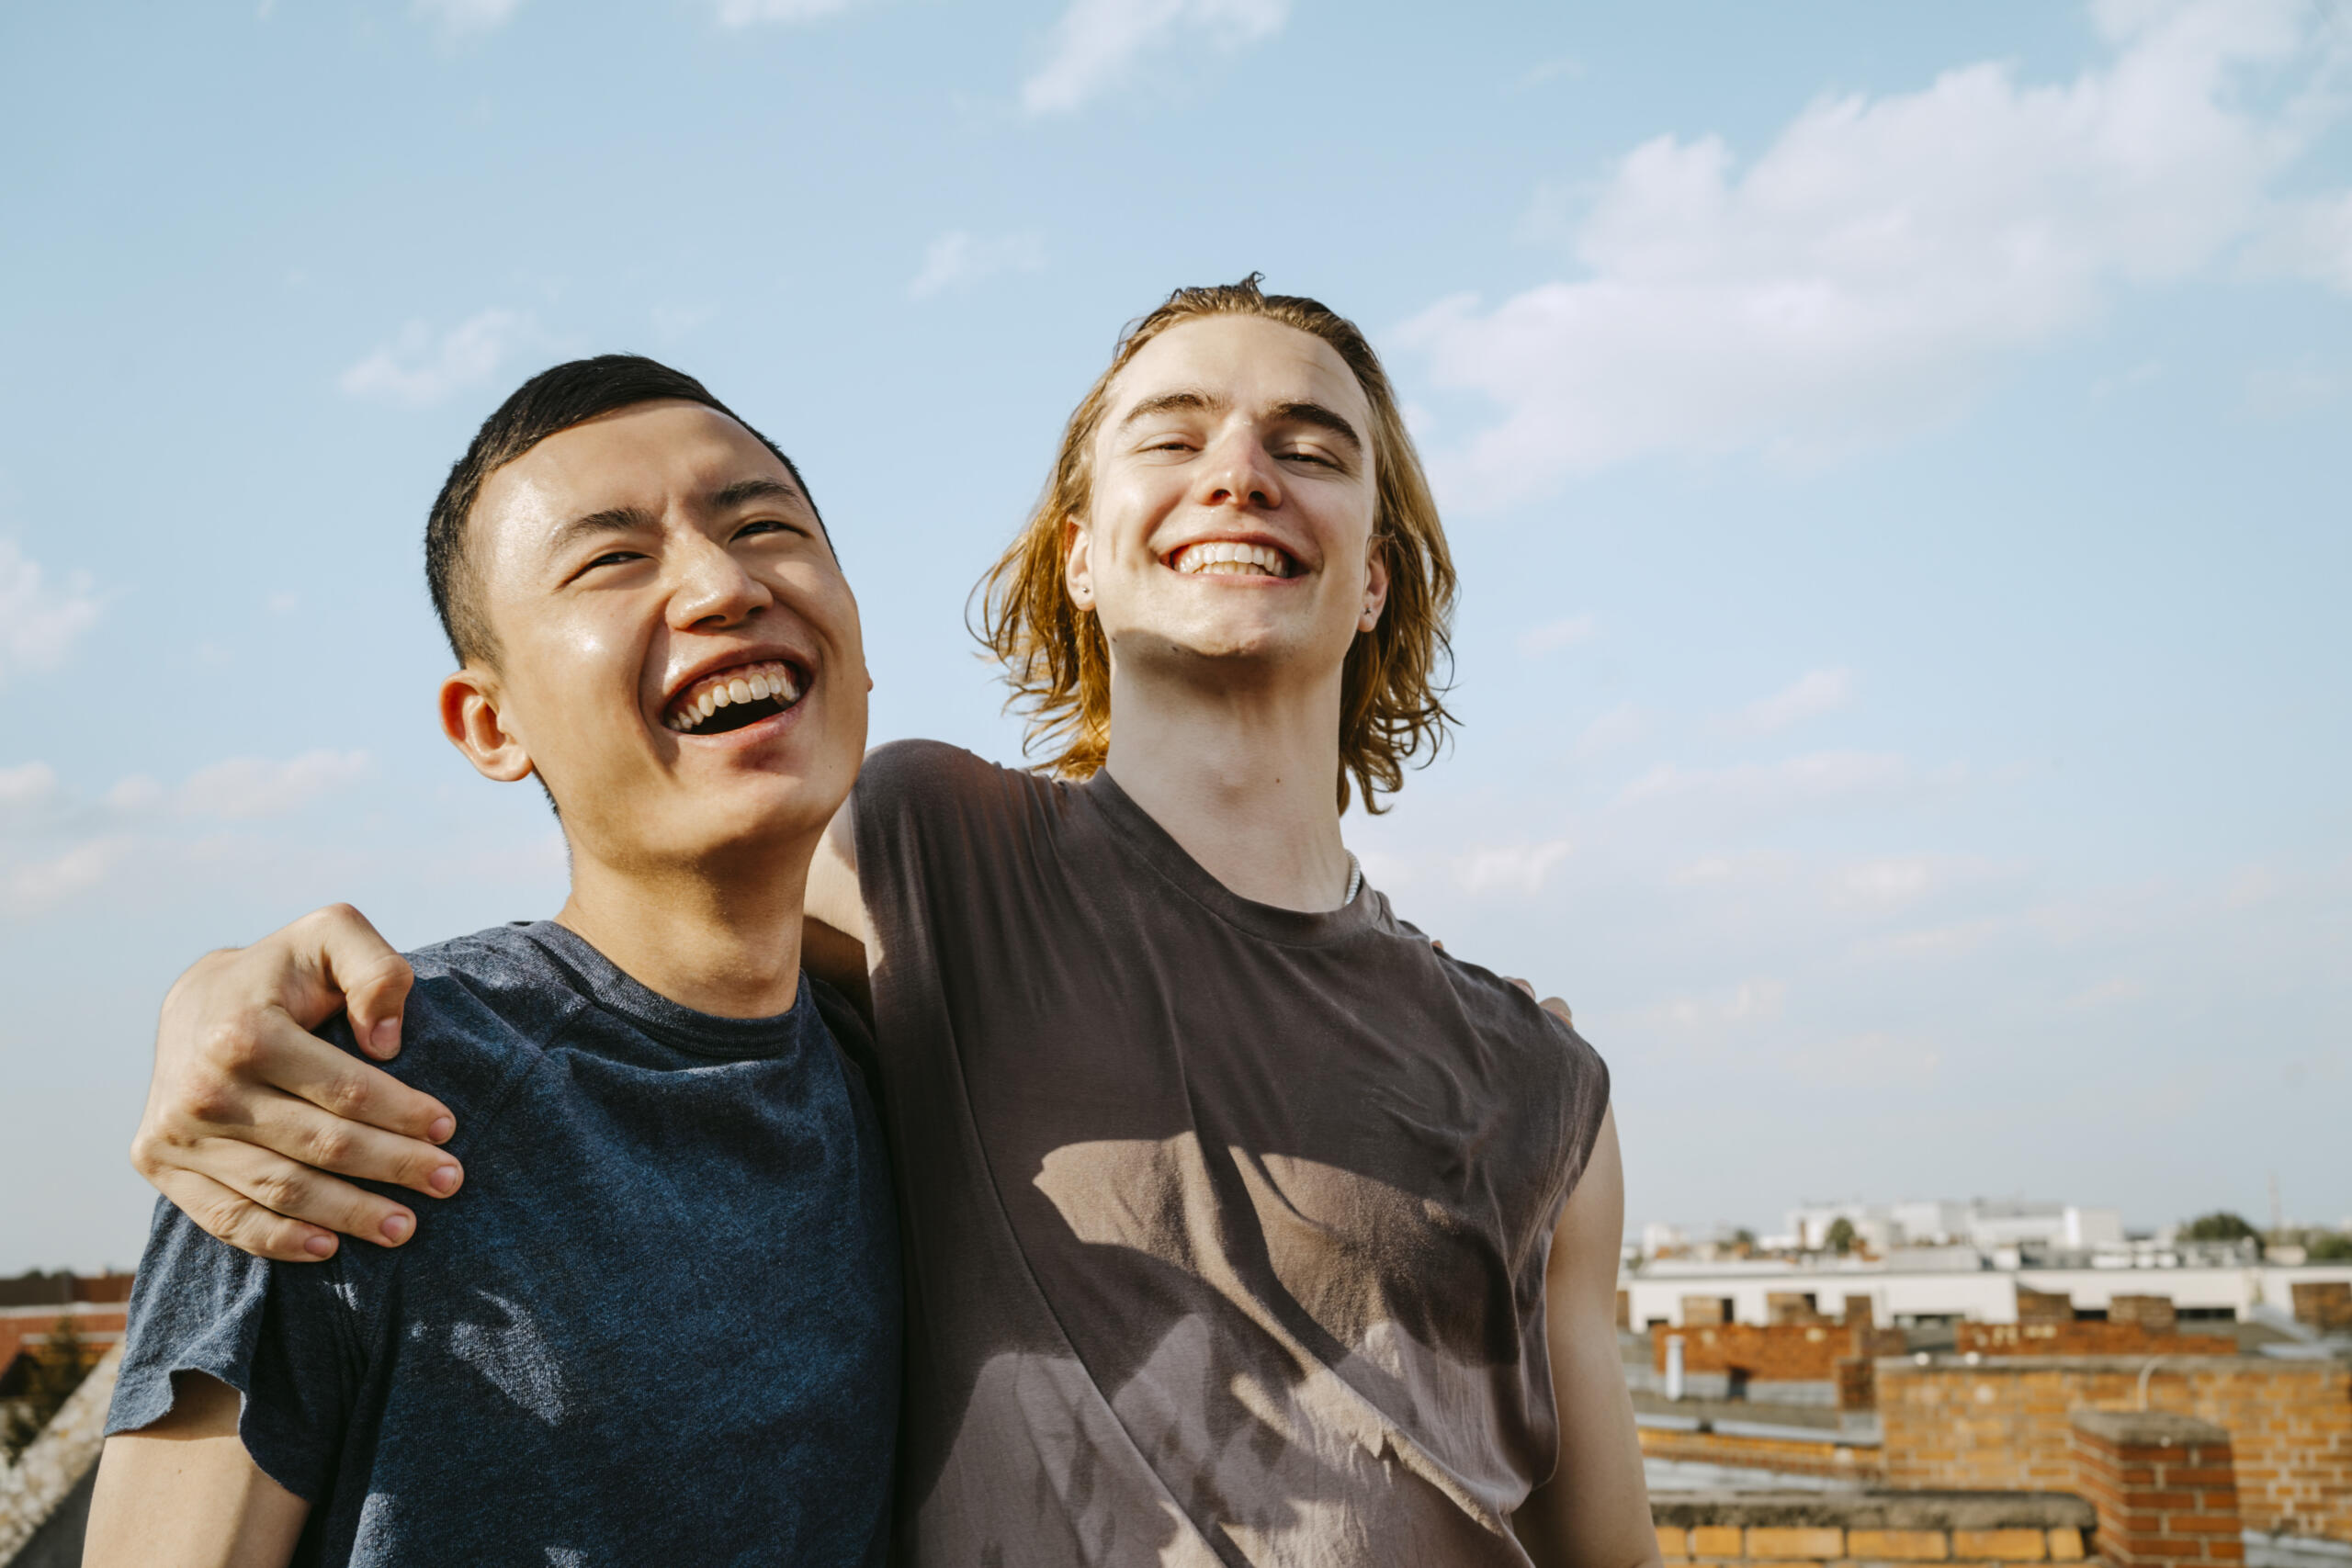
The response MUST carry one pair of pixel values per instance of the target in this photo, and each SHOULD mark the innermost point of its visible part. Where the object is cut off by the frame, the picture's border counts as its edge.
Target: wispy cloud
(40, 620)
(1097, 42)
(1521, 868)
(417, 368)
(25, 787)
(749, 13)
(958, 260)
(1811, 779)
(1537, 641)
(1621, 725)
(1867, 273)
(1815, 692)
(36, 885)
(458, 18)
(243, 788)
(2311, 239)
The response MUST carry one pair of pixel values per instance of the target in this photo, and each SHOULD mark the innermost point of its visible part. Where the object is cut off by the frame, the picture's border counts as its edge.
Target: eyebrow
(612, 520)
(1194, 400)
(630, 519)
(758, 488)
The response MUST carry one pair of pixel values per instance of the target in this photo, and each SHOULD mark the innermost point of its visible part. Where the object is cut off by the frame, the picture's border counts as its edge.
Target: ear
(1376, 585)
(1077, 562)
(470, 717)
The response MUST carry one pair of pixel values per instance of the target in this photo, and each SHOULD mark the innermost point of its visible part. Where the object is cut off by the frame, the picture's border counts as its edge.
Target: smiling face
(678, 653)
(1232, 504)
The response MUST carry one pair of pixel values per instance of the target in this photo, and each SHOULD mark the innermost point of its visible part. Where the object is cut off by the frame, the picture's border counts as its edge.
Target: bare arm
(248, 1111)
(184, 1493)
(1595, 1511)
(836, 935)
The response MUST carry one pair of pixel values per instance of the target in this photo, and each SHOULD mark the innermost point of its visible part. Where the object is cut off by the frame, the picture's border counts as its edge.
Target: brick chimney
(2164, 1487)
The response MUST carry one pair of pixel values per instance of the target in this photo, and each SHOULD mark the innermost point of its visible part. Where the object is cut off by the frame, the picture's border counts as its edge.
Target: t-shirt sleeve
(283, 1334)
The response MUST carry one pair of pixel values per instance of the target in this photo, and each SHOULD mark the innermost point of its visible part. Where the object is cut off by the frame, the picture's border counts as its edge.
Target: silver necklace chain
(1355, 882)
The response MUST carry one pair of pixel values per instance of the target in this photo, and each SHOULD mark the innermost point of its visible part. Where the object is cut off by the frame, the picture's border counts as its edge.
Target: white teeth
(759, 682)
(1228, 557)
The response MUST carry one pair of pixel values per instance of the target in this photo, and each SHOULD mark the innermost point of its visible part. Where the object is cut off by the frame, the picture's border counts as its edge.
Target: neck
(1244, 777)
(729, 946)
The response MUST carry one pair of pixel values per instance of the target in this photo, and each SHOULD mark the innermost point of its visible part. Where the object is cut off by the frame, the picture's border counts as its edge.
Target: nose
(1239, 472)
(711, 589)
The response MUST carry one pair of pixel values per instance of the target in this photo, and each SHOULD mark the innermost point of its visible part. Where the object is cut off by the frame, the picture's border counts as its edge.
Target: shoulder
(913, 773)
(484, 1010)
(1500, 1007)
(909, 786)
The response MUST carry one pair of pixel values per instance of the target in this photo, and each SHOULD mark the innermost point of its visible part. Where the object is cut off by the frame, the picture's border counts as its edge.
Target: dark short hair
(548, 404)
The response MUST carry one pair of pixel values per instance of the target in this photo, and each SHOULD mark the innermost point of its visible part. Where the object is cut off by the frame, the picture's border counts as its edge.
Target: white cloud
(27, 786)
(1750, 1001)
(250, 788)
(1878, 261)
(33, 887)
(417, 369)
(1818, 777)
(2311, 238)
(745, 13)
(1514, 868)
(1874, 1059)
(39, 621)
(958, 260)
(1814, 694)
(458, 17)
(1621, 725)
(1540, 640)
(1097, 42)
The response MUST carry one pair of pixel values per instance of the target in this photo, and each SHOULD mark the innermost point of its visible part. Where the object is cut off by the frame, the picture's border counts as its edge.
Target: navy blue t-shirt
(660, 1323)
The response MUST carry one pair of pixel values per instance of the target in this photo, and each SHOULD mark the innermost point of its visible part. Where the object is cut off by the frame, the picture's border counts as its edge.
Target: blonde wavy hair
(1392, 708)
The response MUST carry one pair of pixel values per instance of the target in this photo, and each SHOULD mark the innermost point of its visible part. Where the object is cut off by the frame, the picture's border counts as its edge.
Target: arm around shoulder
(183, 1491)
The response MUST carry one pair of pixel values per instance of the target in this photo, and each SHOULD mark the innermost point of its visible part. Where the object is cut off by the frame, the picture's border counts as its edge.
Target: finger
(345, 962)
(1436, 943)
(1523, 986)
(242, 1224)
(1559, 1010)
(294, 1128)
(290, 1059)
(292, 1192)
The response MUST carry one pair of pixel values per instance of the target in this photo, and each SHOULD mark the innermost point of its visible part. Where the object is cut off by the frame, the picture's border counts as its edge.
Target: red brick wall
(2164, 1487)
(21, 1326)
(2004, 1425)
(2325, 1305)
(2085, 1339)
(1780, 1352)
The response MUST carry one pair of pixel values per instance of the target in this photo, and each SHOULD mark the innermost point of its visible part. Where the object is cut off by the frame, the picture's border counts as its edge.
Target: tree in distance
(2219, 1225)
(45, 1377)
(1840, 1239)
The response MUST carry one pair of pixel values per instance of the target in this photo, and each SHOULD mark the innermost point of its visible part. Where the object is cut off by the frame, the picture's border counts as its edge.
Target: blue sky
(1897, 462)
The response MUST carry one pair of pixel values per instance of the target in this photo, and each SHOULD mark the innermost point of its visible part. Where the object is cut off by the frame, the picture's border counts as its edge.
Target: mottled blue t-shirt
(660, 1323)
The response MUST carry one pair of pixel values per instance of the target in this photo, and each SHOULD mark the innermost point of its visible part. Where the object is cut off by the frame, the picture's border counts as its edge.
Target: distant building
(1988, 1224)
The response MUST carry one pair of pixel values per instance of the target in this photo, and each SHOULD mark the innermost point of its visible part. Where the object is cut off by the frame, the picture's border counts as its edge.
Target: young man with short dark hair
(662, 1320)
(1242, 1226)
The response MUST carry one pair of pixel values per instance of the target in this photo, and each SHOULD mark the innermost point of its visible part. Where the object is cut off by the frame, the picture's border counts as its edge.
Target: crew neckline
(702, 1033)
(1159, 850)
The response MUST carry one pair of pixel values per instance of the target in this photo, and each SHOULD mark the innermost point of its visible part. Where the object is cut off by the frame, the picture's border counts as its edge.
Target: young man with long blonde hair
(1240, 1224)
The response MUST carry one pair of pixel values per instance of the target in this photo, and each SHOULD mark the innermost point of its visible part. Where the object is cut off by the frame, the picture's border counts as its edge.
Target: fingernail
(397, 1226)
(319, 1245)
(441, 1128)
(386, 1035)
(444, 1181)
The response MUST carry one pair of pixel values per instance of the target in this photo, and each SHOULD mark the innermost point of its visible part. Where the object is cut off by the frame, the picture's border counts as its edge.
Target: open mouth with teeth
(1229, 558)
(734, 699)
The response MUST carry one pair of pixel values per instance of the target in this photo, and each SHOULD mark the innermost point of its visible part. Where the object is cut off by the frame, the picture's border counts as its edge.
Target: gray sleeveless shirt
(1226, 1225)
